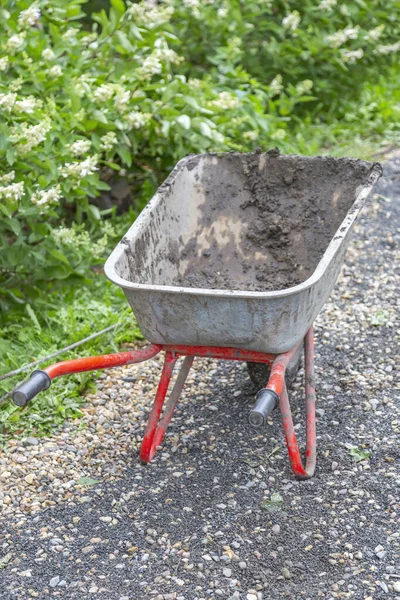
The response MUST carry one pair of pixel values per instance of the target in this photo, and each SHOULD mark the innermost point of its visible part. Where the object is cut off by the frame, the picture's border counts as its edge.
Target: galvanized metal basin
(203, 214)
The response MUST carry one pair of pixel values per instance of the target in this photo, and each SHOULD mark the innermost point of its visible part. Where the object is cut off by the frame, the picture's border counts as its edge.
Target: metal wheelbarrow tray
(233, 258)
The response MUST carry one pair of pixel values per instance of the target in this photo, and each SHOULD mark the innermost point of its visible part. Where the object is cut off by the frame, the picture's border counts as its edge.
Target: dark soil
(267, 218)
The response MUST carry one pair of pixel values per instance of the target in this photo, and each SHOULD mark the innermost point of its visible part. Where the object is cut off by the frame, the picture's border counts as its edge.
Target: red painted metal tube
(277, 376)
(223, 353)
(299, 470)
(148, 449)
(156, 429)
(92, 363)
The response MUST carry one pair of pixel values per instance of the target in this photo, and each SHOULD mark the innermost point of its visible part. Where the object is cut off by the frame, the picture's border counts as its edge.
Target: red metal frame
(159, 420)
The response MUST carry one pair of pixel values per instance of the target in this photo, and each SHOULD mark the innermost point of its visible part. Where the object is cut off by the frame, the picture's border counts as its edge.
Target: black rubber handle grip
(267, 400)
(39, 381)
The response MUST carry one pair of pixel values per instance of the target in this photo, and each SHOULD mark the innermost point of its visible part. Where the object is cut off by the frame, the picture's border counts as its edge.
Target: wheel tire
(259, 372)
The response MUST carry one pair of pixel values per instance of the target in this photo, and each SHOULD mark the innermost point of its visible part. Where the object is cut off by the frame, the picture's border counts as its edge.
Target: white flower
(100, 246)
(79, 170)
(151, 66)
(340, 37)
(87, 40)
(222, 12)
(7, 101)
(16, 41)
(69, 237)
(15, 191)
(304, 87)
(388, 49)
(104, 92)
(351, 32)
(16, 84)
(148, 15)
(225, 101)
(122, 98)
(30, 136)
(137, 119)
(55, 71)
(63, 235)
(27, 105)
(276, 86)
(30, 16)
(344, 9)
(251, 135)
(168, 55)
(7, 177)
(108, 141)
(80, 147)
(70, 35)
(351, 56)
(279, 134)
(292, 20)
(46, 196)
(327, 5)
(4, 63)
(374, 34)
(82, 85)
(197, 84)
(48, 54)
(191, 3)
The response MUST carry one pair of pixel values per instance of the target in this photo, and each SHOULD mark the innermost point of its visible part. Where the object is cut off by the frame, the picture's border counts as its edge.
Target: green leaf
(100, 116)
(165, 128)
(10, 156)
(124, 41)
(170, 91)
(359, 455)
(94, 212)
(87, 481)
(119, 6)
(33, 317)
(194, 104)
(125, 155)
(112, 165)
(16, 254)
(379, 318)
(184, 121)
(205, 130)
(14, 225)
(4, 560)
(58, 255)
(274, 504)
(6, 210)
(102, 185)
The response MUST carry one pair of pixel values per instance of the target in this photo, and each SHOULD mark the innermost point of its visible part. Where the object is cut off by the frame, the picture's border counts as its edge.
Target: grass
(64, 317)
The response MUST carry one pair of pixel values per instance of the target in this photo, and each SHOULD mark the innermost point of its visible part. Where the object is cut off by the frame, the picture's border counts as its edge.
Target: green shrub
(78, 107)
(146, 85)
(330, 45)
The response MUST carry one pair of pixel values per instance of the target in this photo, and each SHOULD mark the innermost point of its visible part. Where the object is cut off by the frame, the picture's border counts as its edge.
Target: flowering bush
(146, 84)
(335, 44)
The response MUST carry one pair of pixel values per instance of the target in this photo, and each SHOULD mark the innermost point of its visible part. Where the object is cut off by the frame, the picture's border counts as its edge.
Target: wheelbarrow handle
(41, 380)
(38, 381)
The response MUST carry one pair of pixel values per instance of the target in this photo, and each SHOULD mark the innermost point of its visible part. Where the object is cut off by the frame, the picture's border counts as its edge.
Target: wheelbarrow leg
(157, 427)
(287, 419)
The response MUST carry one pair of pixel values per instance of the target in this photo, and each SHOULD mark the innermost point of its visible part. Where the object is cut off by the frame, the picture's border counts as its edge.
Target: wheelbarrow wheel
(259, 372)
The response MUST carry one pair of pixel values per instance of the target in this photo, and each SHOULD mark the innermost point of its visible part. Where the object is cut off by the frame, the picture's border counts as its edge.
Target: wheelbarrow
(233, 258)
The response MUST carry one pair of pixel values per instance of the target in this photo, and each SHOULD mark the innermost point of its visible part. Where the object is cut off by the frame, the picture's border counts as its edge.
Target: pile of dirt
(280, 213)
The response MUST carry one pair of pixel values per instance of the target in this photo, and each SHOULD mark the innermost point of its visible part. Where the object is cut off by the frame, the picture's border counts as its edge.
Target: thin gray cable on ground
(70, 347)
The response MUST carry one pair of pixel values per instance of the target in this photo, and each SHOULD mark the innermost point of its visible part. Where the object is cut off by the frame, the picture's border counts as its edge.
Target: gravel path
(218, 513)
